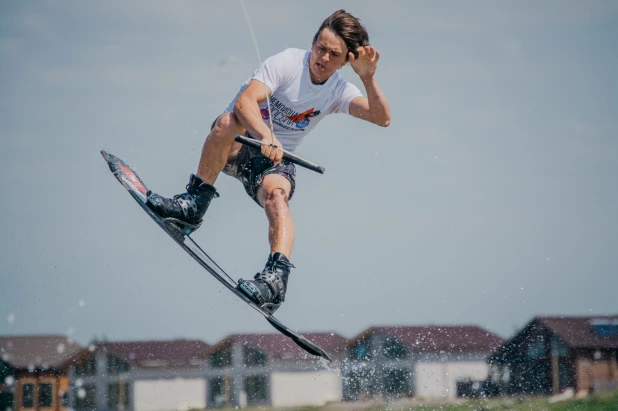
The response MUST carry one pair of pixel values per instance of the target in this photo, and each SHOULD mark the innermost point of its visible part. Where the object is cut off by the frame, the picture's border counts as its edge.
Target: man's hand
(366, 63)
(272, 148)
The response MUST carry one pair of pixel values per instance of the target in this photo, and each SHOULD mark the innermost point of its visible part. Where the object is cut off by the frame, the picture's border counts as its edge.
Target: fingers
(278, 155)
(368, 52)
(360, 51)
(273, 152)
(371, 52)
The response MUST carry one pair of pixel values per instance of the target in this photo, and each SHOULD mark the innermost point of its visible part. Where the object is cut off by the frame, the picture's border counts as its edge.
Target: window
(113, 396)
(360, 351)
(605, 328)
(564, 375)
(5, 371)
(85, 397)
(117, 395)
(256, 388)
(536, 348)
(395, 349)
(46, 395)
(27, 396)
(116, 366)
(64, 399)
(221, 358)
(358, 385)
(216, 391)
(253, 356)
(6, 400)
(87, 366)
(397, 383)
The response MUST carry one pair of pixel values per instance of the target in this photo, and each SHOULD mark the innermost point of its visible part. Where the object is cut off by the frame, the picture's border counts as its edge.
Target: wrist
(268, 137)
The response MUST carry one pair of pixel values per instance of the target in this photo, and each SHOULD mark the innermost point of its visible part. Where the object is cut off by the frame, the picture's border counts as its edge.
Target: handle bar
(292, 158)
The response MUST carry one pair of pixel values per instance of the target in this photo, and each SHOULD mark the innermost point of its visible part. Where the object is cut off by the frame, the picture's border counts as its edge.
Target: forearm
(248, 114)
(378, 105)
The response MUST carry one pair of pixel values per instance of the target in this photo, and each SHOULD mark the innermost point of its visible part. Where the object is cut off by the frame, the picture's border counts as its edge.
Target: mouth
(321, 67)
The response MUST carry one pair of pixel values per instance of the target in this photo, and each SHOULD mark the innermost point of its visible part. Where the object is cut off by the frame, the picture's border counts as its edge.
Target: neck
(317, 80)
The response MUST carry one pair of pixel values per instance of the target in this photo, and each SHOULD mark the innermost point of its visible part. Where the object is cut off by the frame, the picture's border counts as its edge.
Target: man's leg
(219, 147)
(187, 209)
(269, 287)
(273, 195)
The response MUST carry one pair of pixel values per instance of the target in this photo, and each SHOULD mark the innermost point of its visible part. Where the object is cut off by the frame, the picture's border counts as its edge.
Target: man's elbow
(238, 105)
(385, 122)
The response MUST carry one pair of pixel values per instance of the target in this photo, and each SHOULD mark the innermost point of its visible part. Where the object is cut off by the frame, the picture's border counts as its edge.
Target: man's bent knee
(224, 129)
(275, 200)
(275, 190)
(227, 123)
(277, 195)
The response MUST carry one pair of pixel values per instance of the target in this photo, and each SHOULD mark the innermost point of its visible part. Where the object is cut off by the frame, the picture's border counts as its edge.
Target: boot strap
(274, 282)
(249, 288)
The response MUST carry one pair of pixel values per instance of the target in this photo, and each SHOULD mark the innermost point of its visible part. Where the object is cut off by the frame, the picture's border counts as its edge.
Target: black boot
(186, 209)
(268, 288)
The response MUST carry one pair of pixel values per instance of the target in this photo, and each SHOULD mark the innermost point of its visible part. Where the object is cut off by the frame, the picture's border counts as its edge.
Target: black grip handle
(292, 158)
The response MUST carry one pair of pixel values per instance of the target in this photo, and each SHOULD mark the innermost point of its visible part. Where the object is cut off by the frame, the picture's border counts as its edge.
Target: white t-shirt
(296, 103)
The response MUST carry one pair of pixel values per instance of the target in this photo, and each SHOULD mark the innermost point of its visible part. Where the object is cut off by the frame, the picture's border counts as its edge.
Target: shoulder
(341, 85)
(299, 53)
(290, 54)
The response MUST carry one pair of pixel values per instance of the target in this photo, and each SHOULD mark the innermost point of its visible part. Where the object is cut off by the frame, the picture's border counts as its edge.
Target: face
(328, 54)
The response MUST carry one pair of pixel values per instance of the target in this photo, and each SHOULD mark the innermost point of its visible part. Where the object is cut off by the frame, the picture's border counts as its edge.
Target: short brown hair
(348, 27)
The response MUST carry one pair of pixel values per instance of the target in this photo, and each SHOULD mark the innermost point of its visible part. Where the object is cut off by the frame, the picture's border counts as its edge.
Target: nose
(326, 57)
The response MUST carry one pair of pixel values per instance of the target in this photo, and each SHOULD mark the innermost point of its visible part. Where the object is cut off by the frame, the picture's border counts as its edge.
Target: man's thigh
(270, 183)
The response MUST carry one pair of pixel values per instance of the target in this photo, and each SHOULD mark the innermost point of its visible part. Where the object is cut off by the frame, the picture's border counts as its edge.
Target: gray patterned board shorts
(250, 166)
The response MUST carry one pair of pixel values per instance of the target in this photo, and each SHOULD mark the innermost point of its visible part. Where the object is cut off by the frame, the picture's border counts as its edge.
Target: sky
(490, 199)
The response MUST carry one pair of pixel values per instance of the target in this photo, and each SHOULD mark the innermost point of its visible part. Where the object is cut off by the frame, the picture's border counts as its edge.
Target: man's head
(338, 35)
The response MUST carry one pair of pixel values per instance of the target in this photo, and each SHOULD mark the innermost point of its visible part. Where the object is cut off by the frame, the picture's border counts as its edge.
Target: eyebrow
(334, 51)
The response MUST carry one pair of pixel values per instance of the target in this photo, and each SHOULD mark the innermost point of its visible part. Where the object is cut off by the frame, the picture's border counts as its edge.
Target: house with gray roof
(420, 361)
(34, 370)
(271, 370)
(551, 354)
(139, 375)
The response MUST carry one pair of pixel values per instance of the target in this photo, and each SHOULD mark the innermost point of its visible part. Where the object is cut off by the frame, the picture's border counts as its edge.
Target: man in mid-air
(302, 87)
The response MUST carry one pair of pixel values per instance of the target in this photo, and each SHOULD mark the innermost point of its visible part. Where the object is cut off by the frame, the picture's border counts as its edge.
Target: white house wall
(169, 394)
(439, 379)
(290, 389)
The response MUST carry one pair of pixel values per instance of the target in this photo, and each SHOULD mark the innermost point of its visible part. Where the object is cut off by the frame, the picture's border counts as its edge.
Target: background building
(35, 371)
(551, 354)
(421, 361)
(139, 375)
(270, 369)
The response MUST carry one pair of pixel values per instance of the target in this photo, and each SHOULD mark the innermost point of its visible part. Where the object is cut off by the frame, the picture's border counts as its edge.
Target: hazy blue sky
(492, 197)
